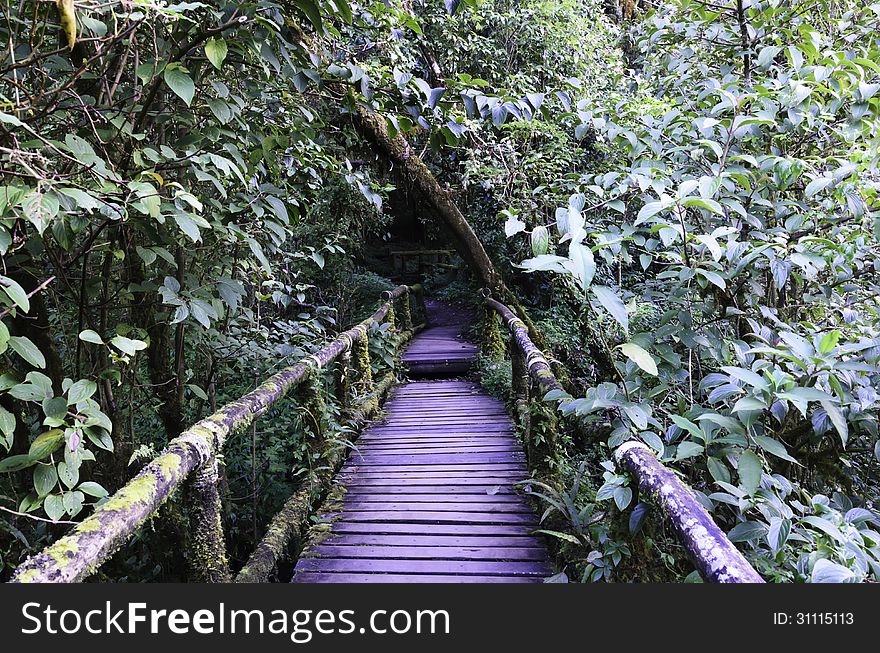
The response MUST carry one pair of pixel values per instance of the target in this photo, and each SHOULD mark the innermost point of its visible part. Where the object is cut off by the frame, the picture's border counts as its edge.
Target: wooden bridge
(429, 492)
(428, 495)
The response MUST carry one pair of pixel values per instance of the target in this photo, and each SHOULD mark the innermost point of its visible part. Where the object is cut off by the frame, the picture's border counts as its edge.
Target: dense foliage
(684, 194)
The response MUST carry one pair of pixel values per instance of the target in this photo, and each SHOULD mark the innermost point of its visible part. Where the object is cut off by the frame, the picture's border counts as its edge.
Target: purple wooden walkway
(430, 492)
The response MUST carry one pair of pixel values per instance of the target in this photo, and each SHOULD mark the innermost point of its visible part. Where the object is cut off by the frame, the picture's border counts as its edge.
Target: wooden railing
(424, 260)
(190, 460)
(714, 556)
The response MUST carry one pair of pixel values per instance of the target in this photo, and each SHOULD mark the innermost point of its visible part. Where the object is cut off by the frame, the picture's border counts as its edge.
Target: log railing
(714, 556)
(190, 460)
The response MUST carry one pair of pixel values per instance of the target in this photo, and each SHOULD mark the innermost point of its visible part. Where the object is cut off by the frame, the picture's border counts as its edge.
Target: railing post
(520, 386)
(364, 373)
(405, 312)
(311, 403)
(422, 309)
(206, 558)
(343, 381)
(493, 343)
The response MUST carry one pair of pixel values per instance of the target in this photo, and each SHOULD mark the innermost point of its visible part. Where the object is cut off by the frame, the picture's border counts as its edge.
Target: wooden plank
(428, 552)
(354, 504)
(516, 541)
(432, 459)
(413, 528)
(436, 517)
(445, 567)
(331, 577)
(421, 498)
(367, 487)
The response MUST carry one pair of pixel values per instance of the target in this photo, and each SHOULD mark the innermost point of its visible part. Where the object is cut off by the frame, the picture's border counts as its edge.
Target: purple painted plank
(516, 541)
(430, 459)
(354, 505)
(455, 469)
(425, 449)
(309, 577)
(494, 530)
(377, 565)
(369, 487)
(428, 552)
(421, 498)
(438, 517)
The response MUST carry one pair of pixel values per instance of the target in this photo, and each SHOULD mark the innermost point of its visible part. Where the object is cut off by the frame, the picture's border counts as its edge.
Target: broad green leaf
(54, 507)
(82, 389)
(837, 418)
(216, 50)
(613, 304)
(16, 293)
(640, 357)
(774, 447)
(93, 489)
(686, 425)
(826, 571)
(46, 443)
(581, 264)
(28, 351)
(91, 336)
(179, 81)
(749, 470)
(16, 463)
(829, 341)
(45, 479)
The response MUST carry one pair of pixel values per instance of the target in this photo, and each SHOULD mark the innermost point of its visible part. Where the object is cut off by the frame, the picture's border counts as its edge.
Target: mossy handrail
(192, 457)
(714, 555)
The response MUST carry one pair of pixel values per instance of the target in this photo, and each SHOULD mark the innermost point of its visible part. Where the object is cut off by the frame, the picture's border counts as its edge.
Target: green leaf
(750, 467)
(16, 293)
(686, 425)
(45, 479)
(56, 408)
(513, 225)
(640, 357)
(216, 50)
(68, 474)
(774, 447)
(82, 389)
(16, 463)
(622, 497)
(581, 264)
(688, 449)
(703, 203)
(180, 82)
(817, 185)
(747, 531)
(54, 507)
(93, 489)
(747, 376)
(829, 341)
(127, 345)
(46, 443)
(7, 422)
(188, 226)
(73, 503)
(713, 278)
(613, 304)
(837, 418)
(91, 336)
(311, 11)
(559, 535)
(826, 571)
(28, 351)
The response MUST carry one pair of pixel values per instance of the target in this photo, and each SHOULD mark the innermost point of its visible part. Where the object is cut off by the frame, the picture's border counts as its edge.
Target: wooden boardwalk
(429, 492)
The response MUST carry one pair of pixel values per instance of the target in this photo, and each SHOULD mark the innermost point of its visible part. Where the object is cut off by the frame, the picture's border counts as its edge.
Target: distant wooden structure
(414, 264)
